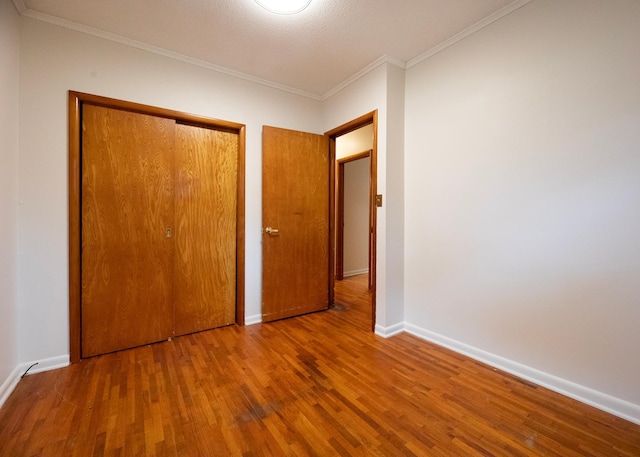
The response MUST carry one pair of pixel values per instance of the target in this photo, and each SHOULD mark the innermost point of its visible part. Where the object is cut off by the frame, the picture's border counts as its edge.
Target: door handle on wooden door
(271, 231)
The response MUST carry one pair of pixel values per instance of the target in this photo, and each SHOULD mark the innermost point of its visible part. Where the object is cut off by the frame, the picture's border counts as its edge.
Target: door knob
(271, 231)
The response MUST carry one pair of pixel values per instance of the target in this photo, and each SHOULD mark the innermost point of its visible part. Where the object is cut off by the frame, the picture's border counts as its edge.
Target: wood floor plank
(315, 385)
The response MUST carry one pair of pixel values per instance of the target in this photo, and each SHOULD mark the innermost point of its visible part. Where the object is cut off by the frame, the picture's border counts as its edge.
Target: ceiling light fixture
(284, 6)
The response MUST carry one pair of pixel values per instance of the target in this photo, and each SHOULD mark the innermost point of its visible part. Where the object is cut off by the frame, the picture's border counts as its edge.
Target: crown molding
(372, 66)
(511, 7)
(163, 52)
(24, 11)
(436, 49)
(20, 6)
(386, 59)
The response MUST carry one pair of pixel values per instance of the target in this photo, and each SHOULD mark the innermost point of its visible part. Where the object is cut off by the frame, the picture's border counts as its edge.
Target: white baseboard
(616, 406)
(51, 363)
(387, 332)
(12, 380)
(9, 385)
(613, 405)
(346, 274)
(252, 320)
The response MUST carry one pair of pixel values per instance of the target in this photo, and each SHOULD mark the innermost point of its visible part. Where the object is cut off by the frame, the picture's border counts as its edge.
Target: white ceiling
(311, 53)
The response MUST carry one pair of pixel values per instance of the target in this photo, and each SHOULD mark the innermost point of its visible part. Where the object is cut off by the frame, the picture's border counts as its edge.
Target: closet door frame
(76, 101)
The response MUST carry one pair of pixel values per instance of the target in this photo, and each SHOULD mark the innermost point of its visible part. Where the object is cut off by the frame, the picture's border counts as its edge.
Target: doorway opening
(354, 146)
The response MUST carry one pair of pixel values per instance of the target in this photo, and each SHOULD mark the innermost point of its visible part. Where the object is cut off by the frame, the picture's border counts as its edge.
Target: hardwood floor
(352, 299)
(320, 384)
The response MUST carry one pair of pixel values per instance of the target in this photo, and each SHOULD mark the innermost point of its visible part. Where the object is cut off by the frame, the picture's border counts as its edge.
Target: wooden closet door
(206, 207)
(127, 207)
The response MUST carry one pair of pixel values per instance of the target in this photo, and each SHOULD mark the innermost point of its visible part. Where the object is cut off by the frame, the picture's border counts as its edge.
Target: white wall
(355, 142)
(10, 52)
(523, 196)
(356, 228)
(510, 217)
(55, 60)
(393, 200)
(367, 94)
(356, 216)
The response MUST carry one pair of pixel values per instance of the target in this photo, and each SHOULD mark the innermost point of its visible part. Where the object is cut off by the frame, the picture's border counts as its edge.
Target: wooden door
(295, 202)
(131, 167)
(205, 232)
(127, 207)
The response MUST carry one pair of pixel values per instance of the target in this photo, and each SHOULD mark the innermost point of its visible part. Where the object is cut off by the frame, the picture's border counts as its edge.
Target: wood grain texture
(205, 234)
(75, 234)
(352, 294)
(127, 204)
(76, 102)
(317, 385)
(240, 224)
(295, 200)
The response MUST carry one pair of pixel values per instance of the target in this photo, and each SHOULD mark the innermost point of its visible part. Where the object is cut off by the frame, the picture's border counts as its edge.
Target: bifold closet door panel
(205, 238)
(127, 214)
